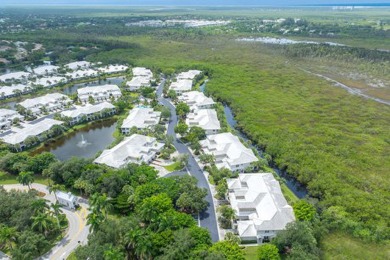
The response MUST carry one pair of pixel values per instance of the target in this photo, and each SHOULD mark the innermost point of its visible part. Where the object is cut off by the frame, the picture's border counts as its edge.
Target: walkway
(208, 218)
(77, 229)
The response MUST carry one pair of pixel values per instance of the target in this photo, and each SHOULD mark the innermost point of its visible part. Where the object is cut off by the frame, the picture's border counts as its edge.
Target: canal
(83, 143)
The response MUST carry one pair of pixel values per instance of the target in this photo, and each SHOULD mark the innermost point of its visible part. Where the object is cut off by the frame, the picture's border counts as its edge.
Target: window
(266, 231)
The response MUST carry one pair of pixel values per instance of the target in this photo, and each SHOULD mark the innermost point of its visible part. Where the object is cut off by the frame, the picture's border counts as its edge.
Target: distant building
(88, 112)
(113, 69)
(181, 86)
(206, 119)
(197, 100)
(133, 149)
(191, 74)
(67, 200)
(78, 65)
(78, 74)
(140, 118)
(49, 81)
(45, 70)
(99, 93)
(7, 116)
(15, 76)
(261, 209)
(228, 151)
(49, 103)
(18, 137)
(14, 90)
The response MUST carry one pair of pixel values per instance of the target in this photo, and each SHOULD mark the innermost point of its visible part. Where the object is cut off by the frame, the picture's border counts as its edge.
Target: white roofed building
(261, 209)
(133, 149)
(49, 103)
(78, 74)
(197, 100)
(14, 90)
(181, 86)
(141, 78)
(113, 69)
(191, 74)
(18, 136)
(206, 119)
(78, 65)
(15, 76)
(49, 81)
(45, 70)
(99, 93)
(228, 151)
(89, 112)
(7, 116)
(140, 118)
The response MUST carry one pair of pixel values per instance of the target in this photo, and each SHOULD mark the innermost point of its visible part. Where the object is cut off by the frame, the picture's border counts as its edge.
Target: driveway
(77, 232)
(207, 218)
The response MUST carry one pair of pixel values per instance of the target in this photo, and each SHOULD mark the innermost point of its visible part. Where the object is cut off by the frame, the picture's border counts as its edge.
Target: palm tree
(8, 235)
(56, 211)
(42, 223)
(113, 254)
(26, 178)
(101, 203)
(54, 188)
(40, 206)
(94, 219)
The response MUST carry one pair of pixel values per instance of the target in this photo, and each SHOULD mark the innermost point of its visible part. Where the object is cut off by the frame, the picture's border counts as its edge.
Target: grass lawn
(173, 167)
(341, 246)
(6, 178)
(71, 257)
(250, 252)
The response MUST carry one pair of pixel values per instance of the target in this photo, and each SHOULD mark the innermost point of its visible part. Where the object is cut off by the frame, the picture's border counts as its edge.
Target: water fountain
(83, 142)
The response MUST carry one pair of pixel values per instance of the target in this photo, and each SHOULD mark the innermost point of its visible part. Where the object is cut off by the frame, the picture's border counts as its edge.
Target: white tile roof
(66, 196)
(103, 91)
(204, 118)
(228, 150)
(181, 85)
(52, 99)
(30, 130)
(78, 65)
(191, 74)
(258, 196)
(8, 114)
(14, 75)
(45, 69)
(113, 68)
(9, 90)
(140, 71)
(133, 149)
(196, 99)
(87, 109)
(141, 118)
(138, 82)
(49, 81)
(82, 73)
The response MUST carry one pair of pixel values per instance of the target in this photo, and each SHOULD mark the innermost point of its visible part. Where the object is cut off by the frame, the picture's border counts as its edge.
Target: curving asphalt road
(207, 219)
(77, 232)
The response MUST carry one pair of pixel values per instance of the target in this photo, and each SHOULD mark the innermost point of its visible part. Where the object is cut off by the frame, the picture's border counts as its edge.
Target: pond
(84, 143)
(115, 81)
(296, 187)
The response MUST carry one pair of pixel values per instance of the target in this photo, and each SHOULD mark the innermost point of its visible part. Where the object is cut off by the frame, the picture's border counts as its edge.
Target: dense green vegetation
(29, 226)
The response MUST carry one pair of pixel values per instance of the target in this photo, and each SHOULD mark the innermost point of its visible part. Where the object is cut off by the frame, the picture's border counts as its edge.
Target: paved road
(207, 218)
(77, 230)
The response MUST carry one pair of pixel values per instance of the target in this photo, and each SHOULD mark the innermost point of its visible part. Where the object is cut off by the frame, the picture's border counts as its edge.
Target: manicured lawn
(341, 246)
(173, 167)
(71, 257)
(6, 178)
(250, 252)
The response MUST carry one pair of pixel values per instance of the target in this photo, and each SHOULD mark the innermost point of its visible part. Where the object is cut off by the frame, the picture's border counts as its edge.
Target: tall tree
(26, 178)
(8, 236)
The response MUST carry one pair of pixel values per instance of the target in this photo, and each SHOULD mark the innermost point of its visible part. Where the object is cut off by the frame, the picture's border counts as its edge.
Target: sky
(189, 2)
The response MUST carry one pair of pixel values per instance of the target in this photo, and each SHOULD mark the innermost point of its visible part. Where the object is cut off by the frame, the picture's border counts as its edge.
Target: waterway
(96, 137)
(297, 188)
